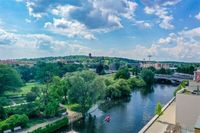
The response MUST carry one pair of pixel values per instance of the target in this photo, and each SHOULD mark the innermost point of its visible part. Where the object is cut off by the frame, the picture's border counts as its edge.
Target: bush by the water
(181, 86)
(52, 127)
(136, 83)
(123, 73)
(148, 76)
(119, 89)
(14, 121)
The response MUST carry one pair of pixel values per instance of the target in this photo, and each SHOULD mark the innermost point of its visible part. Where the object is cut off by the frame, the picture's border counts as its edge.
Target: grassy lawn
(109, 76)
(22, 91)
(73, 107)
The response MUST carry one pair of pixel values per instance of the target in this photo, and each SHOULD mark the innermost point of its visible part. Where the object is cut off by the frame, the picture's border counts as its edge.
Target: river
(128, 116)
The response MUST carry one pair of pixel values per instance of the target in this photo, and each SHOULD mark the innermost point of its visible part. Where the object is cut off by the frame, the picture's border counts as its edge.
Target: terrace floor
(165, 121)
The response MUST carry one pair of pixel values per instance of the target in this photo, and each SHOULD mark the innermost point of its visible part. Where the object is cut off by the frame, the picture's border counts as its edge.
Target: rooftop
(197, 125)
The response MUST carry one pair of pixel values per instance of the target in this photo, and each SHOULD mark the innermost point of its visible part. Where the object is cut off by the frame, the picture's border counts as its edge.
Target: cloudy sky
(165, 29)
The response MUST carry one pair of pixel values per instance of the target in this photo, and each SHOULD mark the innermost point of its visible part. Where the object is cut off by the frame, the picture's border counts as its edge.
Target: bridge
(175, 78)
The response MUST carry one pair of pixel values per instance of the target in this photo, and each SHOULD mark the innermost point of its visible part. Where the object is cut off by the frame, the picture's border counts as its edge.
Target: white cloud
(63, 11)
(162, 13)
(28, 20)
(183, 46)
(30, 6)
(198, 16)
(6, 38)
(149, 10)
(36, 45)
(143, 24)
(170, 2)
(70, 28)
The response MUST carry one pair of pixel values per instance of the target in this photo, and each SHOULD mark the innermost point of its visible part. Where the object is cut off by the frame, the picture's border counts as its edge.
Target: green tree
(26, 72)
(158, 109)
(112, 92)
(123, 86)
(51, 109)
(135, 70)
(9, 78)
(31, 96)
(100, 69)
(36, 90)
(148, 76)
(55, 89)
(136, 83)
(122, 73)
(2, 113)
(85, 89)
(46, 71)
(65, 87)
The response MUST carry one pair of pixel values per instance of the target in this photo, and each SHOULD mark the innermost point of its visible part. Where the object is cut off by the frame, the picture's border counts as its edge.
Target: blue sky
(165, 29)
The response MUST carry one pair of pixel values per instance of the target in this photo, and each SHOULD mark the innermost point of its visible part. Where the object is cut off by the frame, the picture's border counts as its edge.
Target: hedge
(14, 121)
(53, 127)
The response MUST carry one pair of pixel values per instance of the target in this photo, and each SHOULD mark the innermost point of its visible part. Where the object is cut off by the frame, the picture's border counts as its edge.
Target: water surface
(128, 116)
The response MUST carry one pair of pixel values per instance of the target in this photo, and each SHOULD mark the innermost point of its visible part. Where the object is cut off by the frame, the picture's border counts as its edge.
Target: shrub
(13, 121)
(122, 73)
(158, 109)
(136, 83)
(75, 107)
(52, 127)
(51, 109)
(119, 89)
(113, 92)
(181, 86)
(30, 109)
(123, 86)
(4, 101)
(31, 96)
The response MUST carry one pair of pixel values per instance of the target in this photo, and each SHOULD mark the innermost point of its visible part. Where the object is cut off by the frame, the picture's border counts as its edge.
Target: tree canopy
(9, 78)
(122, 73)
(148, 76)
(85, 89)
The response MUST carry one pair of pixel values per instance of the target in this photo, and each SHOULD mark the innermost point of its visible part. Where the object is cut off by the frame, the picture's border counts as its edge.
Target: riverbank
(166, 121)
(127, 116)
(72, 117)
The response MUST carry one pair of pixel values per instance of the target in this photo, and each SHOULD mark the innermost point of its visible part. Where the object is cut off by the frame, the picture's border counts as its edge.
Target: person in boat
(107, 118)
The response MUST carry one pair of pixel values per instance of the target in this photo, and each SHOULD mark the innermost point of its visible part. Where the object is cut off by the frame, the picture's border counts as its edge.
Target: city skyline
(165, 29)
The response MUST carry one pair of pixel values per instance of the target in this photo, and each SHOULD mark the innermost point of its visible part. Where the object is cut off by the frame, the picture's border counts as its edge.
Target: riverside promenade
(72, 116)
(164, 123)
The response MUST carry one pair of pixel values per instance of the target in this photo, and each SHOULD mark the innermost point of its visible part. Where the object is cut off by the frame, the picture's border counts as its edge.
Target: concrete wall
(187, 110)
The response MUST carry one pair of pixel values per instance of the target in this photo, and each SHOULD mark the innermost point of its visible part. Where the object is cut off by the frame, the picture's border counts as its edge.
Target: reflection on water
(126, 116)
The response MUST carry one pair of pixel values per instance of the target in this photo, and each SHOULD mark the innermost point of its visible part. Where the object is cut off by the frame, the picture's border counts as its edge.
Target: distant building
(17, 62)
(90, 55)
(197, 75)
(157, 65)
(162, 65)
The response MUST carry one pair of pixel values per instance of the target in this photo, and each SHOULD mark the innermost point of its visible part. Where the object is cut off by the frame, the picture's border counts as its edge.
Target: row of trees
(146, 74)
(41, 70)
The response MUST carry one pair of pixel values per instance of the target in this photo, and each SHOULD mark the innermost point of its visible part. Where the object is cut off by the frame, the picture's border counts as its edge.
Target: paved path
(72, 116)
(164, 121)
